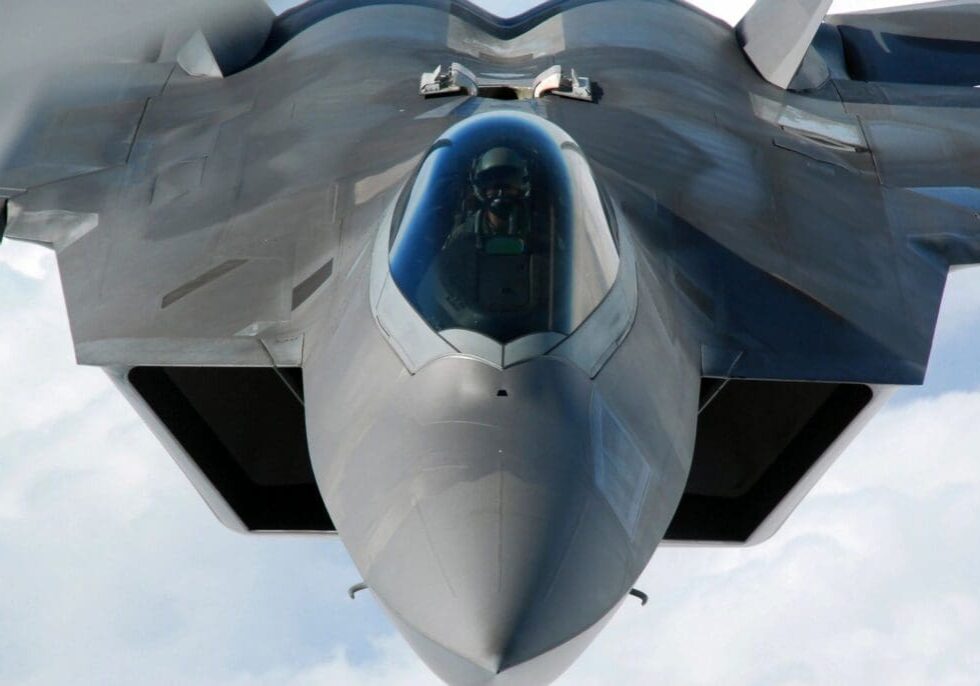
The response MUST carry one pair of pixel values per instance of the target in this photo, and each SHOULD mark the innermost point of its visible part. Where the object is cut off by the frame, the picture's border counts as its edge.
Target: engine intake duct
(244, 428)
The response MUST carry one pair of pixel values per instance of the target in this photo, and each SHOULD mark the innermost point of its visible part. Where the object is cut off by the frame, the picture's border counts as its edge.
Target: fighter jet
(504, 303)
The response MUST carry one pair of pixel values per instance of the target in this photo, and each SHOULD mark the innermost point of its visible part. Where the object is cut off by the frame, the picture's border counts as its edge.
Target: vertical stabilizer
(775, 35)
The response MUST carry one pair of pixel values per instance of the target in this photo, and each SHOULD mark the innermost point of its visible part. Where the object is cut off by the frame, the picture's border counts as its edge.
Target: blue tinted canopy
(503, 231)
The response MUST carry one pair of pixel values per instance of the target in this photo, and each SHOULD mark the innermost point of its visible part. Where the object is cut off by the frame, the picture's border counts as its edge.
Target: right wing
(197, 220)
(75, 77)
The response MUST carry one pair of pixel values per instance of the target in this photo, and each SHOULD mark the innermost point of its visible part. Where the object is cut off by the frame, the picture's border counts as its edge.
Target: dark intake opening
(755, 441)
(246, 430)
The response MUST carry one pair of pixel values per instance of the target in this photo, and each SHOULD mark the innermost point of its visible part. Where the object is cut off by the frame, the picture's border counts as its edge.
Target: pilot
(499, 178)
(484, 268)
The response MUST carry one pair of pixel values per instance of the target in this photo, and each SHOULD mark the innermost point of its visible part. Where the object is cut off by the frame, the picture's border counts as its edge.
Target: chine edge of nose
(503, 670)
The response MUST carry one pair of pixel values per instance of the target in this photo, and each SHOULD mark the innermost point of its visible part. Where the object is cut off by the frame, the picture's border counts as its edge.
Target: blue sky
(113, 571)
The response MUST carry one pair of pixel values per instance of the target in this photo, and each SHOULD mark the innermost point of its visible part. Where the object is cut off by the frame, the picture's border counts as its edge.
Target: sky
(113, 571)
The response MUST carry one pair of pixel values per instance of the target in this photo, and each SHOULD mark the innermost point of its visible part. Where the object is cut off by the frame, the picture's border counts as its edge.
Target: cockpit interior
(503, 231)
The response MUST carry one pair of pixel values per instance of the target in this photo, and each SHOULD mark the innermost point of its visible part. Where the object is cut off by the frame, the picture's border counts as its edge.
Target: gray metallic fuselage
(498, 513)
(473, 499)
(501, 512)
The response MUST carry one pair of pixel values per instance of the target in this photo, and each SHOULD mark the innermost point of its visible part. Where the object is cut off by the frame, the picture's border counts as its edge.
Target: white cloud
(33, 339)
(961, 304)
(394, 665)
(33, 262)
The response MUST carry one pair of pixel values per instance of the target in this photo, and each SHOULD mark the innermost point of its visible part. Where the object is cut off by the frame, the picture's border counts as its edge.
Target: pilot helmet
(498, 169)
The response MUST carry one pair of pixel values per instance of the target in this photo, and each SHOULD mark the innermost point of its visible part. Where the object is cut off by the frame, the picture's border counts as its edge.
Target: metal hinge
(458, 80)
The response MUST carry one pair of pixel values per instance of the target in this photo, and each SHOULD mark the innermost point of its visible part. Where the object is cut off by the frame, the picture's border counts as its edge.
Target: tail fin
(775, 36)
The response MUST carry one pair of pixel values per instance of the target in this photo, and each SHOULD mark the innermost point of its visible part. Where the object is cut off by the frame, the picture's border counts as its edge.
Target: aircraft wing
(77, 83)
(98, 64)
(770, 210)
(194, 215)
(197, 209)
(808, 229)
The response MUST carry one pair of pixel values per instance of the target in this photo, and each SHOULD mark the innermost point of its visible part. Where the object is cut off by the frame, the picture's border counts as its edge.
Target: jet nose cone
(504, 566)
(458, 671)
(499, 531)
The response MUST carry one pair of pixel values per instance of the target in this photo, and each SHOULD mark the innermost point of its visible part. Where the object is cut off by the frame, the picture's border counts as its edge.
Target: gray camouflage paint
(231, 221)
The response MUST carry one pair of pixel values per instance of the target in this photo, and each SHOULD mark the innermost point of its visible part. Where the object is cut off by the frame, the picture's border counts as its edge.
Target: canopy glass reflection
(503, 231)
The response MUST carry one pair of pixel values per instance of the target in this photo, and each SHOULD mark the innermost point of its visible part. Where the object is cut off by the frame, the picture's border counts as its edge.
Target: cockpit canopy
(503, 231)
